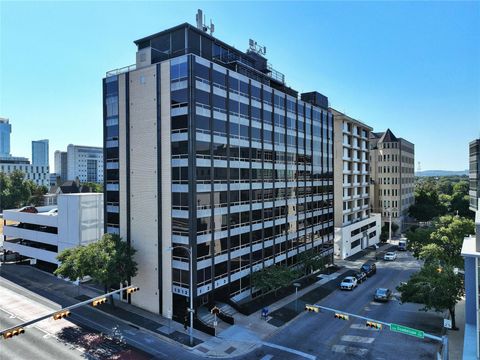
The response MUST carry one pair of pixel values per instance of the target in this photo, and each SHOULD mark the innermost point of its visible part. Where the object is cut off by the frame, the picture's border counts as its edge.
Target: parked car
(28, 209)
(369, 268)
(360, 276)
(348, 283)
(390, 256)
(382, 294)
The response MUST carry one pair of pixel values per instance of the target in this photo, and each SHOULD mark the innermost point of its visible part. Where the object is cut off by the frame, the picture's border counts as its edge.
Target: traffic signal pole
(442, 339)
(66, 310)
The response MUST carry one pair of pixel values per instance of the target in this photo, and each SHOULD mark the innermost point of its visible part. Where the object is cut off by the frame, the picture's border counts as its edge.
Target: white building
(355, 226)
(82, 162)
(39, 174)
(42, 235)
(471, 254)
(40, 152)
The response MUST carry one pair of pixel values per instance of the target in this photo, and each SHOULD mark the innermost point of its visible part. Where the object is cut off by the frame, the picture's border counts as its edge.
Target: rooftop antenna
(256, 48)
(201, 22)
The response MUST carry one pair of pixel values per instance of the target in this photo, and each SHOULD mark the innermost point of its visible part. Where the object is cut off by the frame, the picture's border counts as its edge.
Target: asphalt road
(34, 344)
(73, 338)
(328, 338)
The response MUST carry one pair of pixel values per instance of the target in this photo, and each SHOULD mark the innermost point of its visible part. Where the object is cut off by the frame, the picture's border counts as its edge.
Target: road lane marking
(350, 350)
(358, 339)
(267, 357)
(375, 303)
(293, 351)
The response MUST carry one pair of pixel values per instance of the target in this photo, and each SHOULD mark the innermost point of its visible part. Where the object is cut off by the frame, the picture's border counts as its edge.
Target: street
(310, 335)
(328, 338)
(74, 337)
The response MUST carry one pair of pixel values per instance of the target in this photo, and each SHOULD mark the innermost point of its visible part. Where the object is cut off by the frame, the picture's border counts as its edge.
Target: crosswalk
(356, 342)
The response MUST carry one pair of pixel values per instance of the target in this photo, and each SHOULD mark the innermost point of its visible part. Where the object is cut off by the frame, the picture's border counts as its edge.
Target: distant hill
(441, 173)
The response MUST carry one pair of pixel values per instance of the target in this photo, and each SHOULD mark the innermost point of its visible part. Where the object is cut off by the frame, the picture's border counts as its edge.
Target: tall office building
(40, 152)
(392, 162)
(82, 162)
(5, 131)
(474, 173)
(61, 165)
(207, 148)
(85, 163)
(356, 227)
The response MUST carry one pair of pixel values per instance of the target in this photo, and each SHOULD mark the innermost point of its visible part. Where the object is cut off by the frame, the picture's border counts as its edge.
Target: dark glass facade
(261, 185)
(111, 154)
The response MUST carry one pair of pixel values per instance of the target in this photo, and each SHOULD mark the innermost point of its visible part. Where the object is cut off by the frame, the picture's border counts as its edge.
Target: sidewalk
(456, 337)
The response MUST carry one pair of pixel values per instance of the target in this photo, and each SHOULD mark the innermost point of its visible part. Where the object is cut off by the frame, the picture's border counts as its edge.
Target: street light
(297, 285)
(390, 222)
(190, 310)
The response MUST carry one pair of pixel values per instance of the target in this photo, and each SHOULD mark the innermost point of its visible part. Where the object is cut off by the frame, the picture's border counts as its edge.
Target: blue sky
(409, 66)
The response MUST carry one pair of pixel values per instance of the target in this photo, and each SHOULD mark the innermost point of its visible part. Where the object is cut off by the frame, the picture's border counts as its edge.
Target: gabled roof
(69, 187)
(388, 137)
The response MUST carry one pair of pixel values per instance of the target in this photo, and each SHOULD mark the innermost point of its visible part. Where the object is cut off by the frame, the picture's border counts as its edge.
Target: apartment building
(41, 233)
(392, 162)
(38, 174)
(356, 227)
(40, 152)
(207, 148)
(474, 174)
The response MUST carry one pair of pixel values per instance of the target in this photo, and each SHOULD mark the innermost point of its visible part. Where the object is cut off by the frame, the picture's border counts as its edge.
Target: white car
(390, 256)
(349, 283)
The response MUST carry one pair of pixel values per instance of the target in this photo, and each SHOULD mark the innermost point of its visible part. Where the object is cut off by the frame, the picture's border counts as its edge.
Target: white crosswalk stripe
(358, 339)
(350, 350)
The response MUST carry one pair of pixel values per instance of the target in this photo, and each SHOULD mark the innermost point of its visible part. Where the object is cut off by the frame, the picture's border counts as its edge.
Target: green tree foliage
(436, 287)
(16, 192)
(36, 199)
(448, 235)
(108, 261)
(417, 239)
(385, 232)
(273, 278)
(311, 261)
(427, 204)
(94, 187)
(440, 196)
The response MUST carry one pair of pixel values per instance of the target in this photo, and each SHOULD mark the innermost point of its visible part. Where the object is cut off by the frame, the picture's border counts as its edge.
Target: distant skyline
(412, 67)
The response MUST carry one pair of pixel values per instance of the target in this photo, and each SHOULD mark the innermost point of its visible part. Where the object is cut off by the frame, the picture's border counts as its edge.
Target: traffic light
(132, 290)
(341, 316)
(99, 301)
(61, 314)
(312, 308)
(373, 325)
(13, 332)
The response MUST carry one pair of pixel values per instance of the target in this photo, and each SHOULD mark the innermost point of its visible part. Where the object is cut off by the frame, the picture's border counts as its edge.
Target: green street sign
(406, 330)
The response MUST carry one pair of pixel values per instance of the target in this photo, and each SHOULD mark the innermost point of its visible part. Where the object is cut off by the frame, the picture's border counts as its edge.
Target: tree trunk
(452, 316)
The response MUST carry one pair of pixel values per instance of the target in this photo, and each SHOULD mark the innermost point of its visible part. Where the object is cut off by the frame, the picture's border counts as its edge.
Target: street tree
(108, 261)
(311, 261)
(435, 286)
(417, 239)
(273, 278)
(448, 236)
